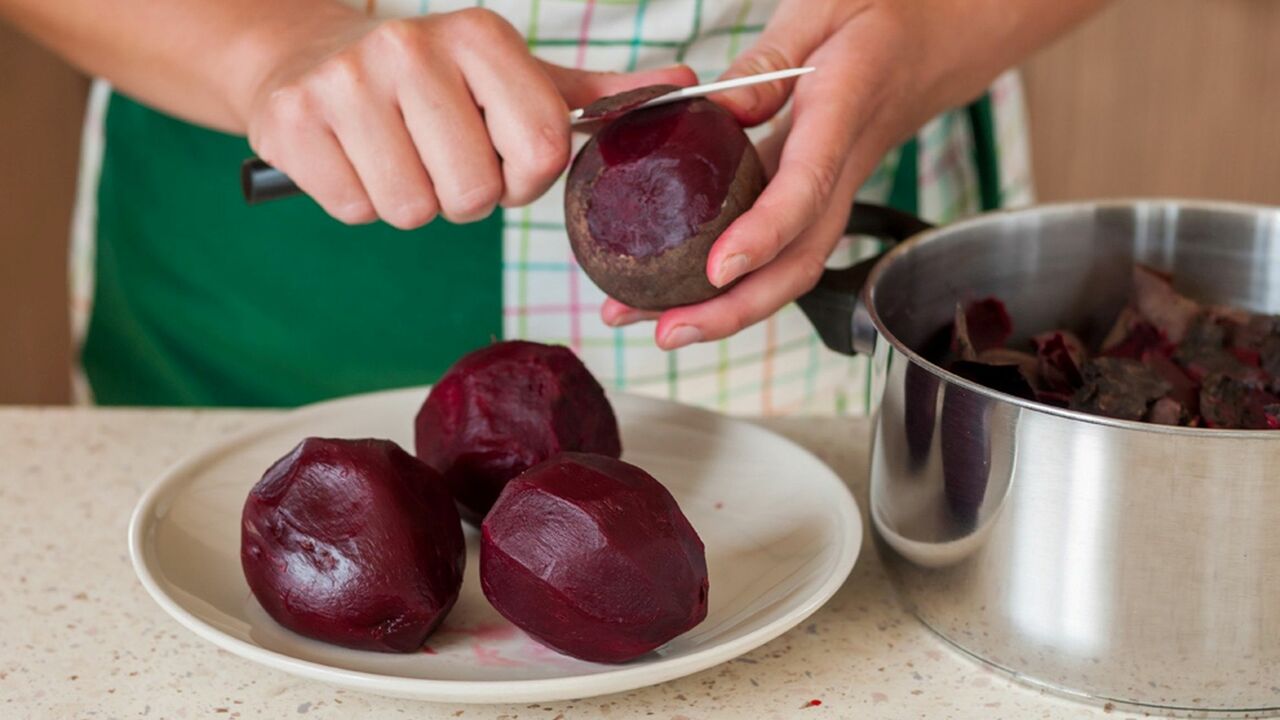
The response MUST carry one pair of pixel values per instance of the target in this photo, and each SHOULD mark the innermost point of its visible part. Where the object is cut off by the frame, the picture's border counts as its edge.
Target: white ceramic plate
(781, 530)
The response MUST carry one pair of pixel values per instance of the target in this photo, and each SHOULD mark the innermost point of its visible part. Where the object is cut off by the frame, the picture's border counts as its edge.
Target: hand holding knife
(260, 182)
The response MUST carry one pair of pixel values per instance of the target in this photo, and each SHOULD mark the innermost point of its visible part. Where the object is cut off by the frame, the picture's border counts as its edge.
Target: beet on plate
(592, 557)
(504, 408)
(353, 542)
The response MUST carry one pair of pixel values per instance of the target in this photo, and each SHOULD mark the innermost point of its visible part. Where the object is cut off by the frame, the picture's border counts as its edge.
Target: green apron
(200, 300)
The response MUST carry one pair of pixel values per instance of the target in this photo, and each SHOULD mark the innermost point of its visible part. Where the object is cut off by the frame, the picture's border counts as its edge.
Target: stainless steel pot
(1114, 560)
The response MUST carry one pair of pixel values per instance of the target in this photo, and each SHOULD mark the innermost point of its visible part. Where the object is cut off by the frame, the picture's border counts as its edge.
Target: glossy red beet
(592, 557)
(353, 542)
(649, 194)
(505, 408)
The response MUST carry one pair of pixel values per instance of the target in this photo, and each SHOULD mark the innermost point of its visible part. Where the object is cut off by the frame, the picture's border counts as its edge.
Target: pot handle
(834, 306)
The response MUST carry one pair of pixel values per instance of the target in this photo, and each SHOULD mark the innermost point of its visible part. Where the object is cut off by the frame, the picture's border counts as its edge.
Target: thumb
(580, 88)
(787, 41)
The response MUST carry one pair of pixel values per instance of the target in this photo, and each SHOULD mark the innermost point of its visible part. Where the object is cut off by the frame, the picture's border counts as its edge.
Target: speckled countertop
(80, 638)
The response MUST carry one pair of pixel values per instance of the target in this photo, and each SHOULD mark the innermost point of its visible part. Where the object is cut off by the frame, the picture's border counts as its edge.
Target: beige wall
(1162, 97)
(1153, 97)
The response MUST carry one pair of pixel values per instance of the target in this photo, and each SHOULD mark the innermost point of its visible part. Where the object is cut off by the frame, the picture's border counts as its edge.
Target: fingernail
(682, 335)
(732, 268)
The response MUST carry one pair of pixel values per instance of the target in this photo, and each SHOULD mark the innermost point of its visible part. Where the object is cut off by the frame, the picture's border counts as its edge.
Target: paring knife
(260, 182)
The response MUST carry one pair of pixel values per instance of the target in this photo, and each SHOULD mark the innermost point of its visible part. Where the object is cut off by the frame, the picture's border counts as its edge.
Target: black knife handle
(260, 182)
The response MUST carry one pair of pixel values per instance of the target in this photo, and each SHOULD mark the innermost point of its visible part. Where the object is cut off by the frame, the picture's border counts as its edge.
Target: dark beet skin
(1118, 388)
(353, 542)
(592, 557)
(649, 194)
(505, 408)
(615, 106)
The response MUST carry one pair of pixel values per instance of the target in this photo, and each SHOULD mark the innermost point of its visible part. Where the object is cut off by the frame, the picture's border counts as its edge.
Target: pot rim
(940, 233)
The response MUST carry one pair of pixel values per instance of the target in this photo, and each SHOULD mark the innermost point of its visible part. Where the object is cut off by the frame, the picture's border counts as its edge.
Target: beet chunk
(1060, 355)
(1118, 388)
(1142, 338)
(988, 323)
(1161, 305)
(505, 408)
(1230, 402)
(592, 557)
(1203, 351)
(353, 542)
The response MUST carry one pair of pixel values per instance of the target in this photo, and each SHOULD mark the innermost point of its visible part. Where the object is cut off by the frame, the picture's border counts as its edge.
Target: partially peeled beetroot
(592, 557)
(353, 542)
(505, 408)
(651, 192)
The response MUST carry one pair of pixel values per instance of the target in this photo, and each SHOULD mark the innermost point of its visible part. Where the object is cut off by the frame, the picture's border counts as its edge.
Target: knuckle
(775, 240)
(740, 318)
(539, 163)
(401, 37)
(478, 24)
(289, 106)
(809, 270)
(766, 58)
(343, 72)
(821, 176)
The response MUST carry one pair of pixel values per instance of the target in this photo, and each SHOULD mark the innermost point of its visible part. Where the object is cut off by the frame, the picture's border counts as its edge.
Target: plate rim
(575, 687)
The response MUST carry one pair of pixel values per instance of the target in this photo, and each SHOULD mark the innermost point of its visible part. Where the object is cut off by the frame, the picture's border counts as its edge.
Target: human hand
(884, 68)
(405, 119)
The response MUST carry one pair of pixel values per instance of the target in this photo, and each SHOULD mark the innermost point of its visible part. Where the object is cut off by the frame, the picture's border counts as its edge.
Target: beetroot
(592, 557)
(353, 542)
(649, 194)
(1118, 388)
(505, 408)
(1167, 359)
(988, 324)
(1160, 304)
(1060, 356)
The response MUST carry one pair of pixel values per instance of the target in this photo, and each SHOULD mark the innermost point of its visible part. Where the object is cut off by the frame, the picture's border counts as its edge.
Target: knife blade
(694, 91)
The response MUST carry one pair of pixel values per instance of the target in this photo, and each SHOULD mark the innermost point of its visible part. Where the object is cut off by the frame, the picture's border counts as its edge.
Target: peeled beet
(505, 408)
(592, 557)
(649, 194)
(353, 542)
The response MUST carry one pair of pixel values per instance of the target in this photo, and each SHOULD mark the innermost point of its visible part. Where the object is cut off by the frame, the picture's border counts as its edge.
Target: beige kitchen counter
(80, 638)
